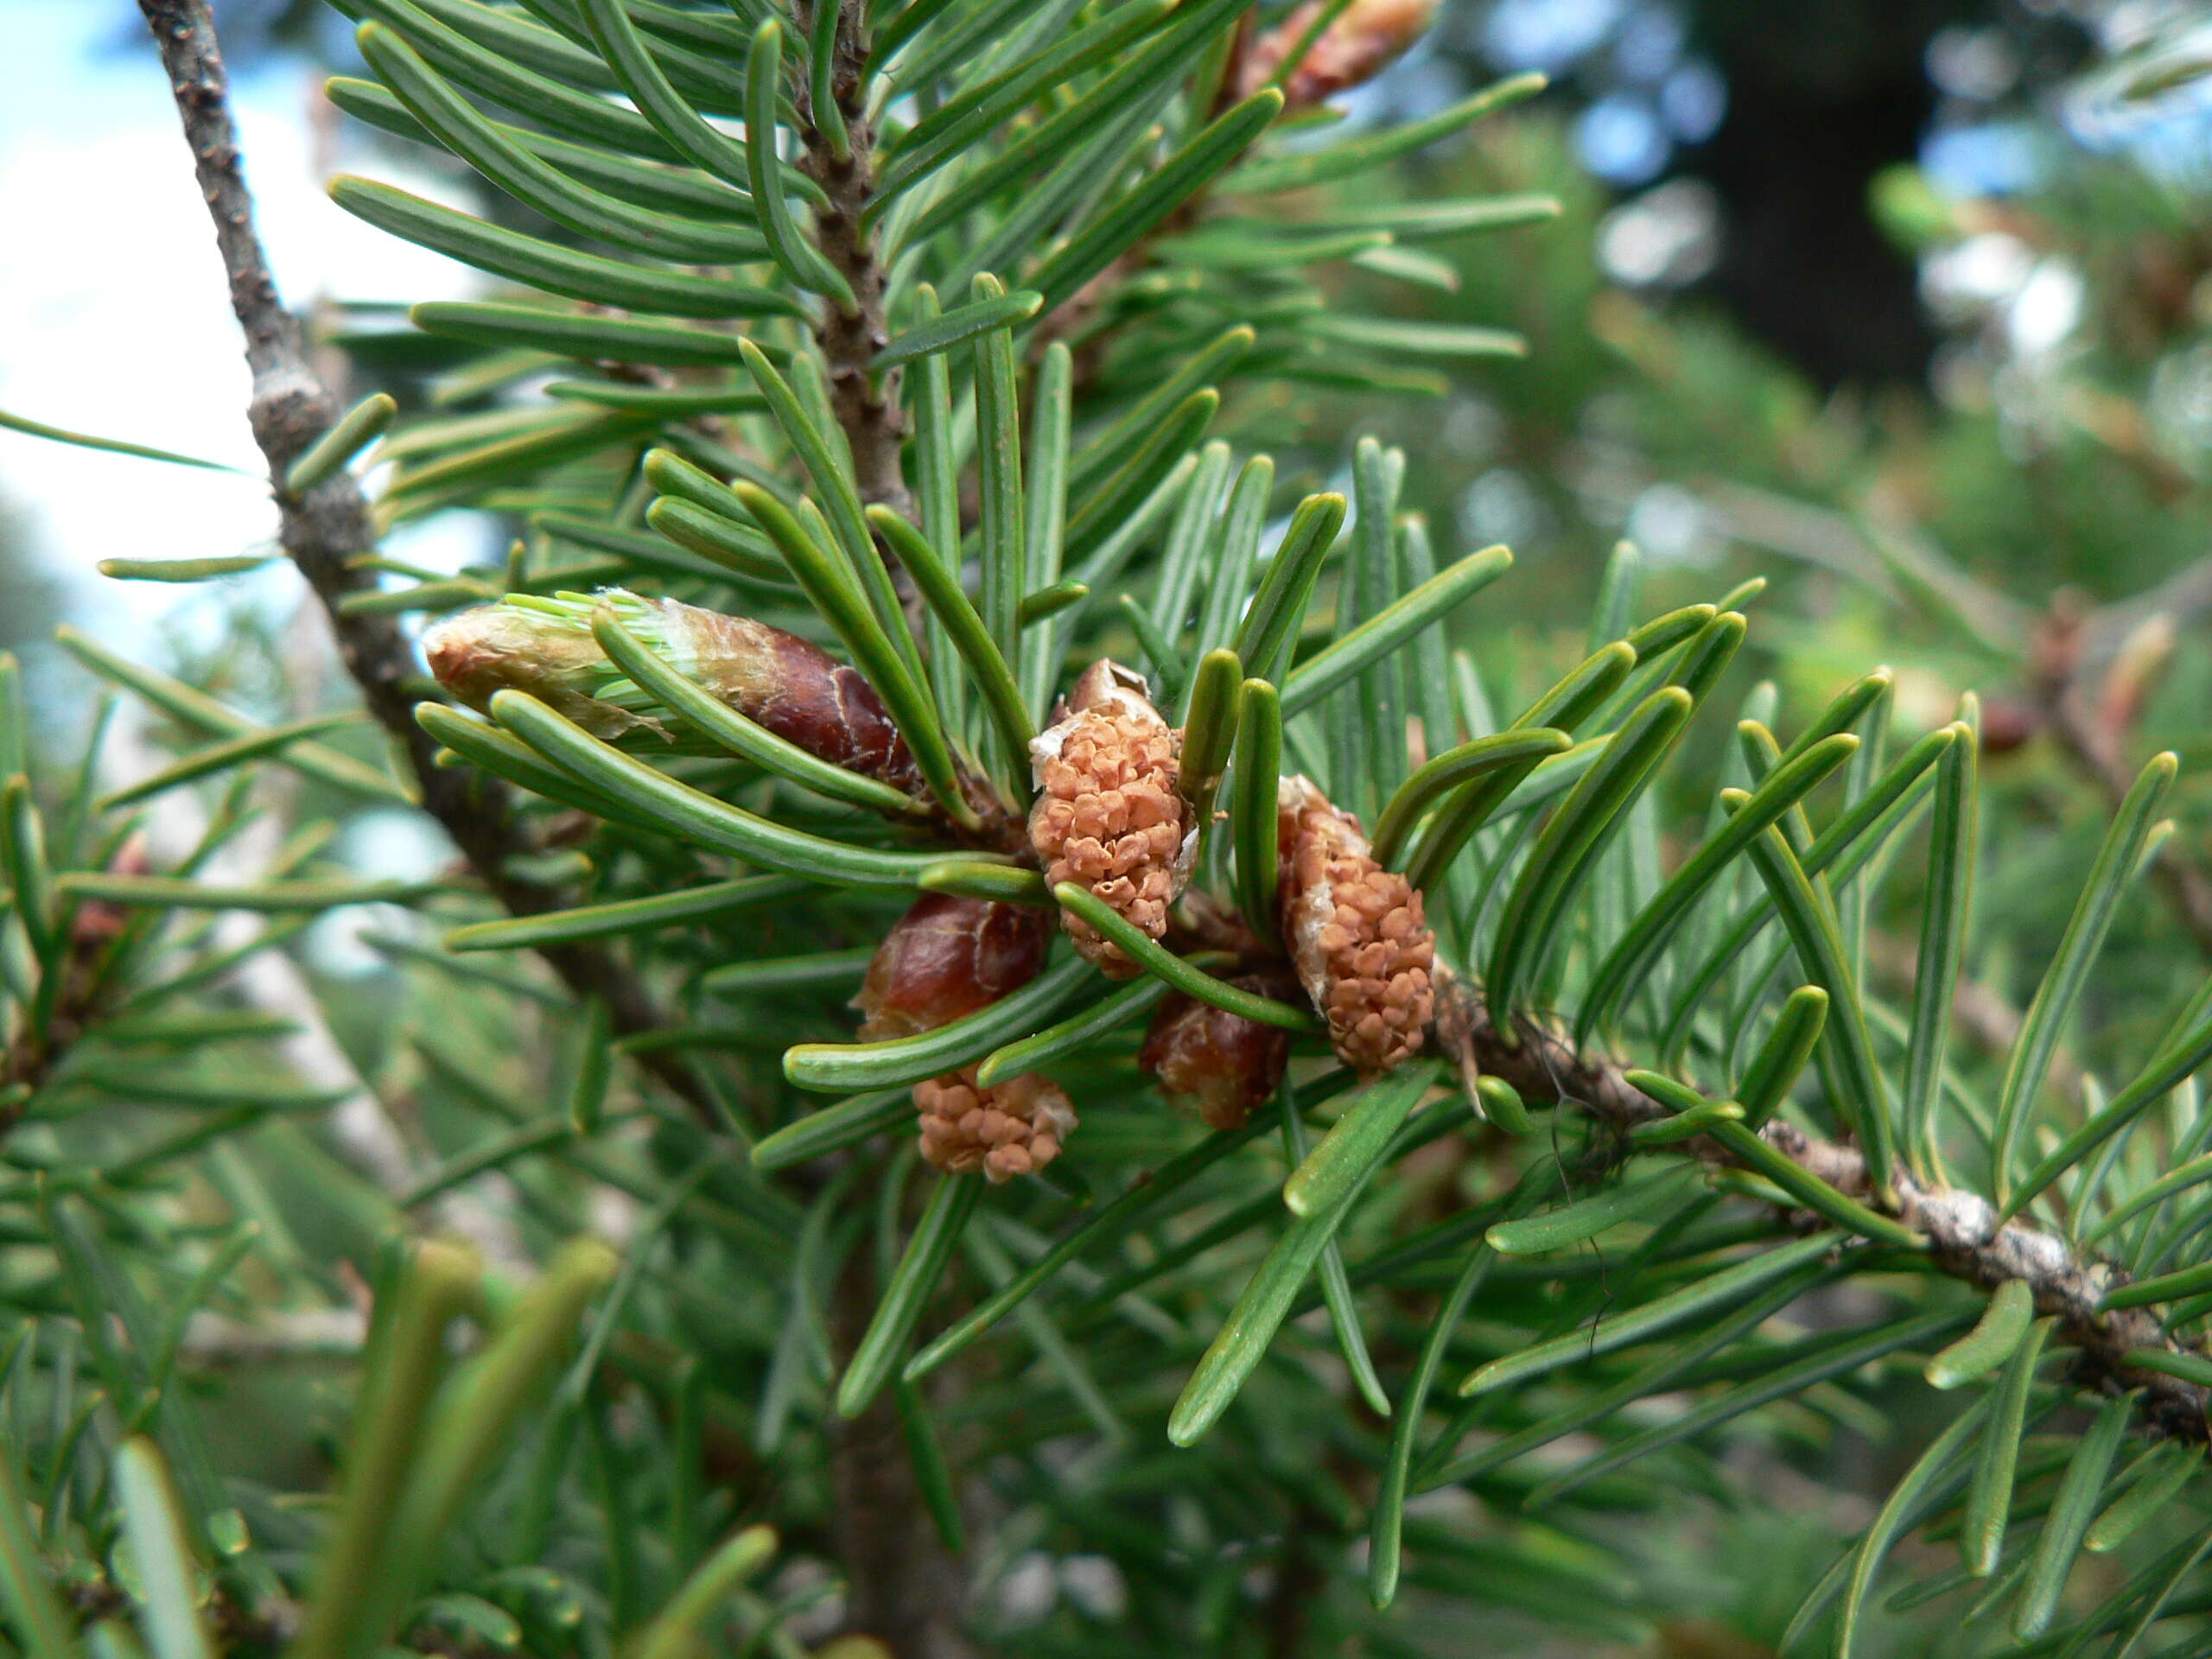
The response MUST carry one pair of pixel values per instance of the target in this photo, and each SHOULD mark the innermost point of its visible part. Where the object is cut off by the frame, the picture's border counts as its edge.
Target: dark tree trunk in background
(1823, 95)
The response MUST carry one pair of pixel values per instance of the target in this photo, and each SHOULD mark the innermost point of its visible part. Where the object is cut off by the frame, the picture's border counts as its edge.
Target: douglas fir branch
(1053, 1031)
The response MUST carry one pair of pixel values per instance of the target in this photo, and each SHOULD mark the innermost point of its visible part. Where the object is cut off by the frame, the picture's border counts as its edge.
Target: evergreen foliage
(902, 614)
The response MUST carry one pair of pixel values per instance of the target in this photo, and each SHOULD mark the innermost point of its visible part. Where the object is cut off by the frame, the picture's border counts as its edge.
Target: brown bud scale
(794, 689)
(95, 921)
(1107, 814)
(1358, 933)
(948, 957)
(1225, 1064)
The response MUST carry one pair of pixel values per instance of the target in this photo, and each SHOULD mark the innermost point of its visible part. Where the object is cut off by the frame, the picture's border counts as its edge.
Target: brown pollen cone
(1357, 932)
(1015, 1128)
(948, 957)
(1227, 1065)
(1107, 814)
(1363, 41)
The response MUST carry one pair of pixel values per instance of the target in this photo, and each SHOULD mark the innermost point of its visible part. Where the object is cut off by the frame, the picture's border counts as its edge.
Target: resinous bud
(947, 957)
(788, 685)
(1226, 1065)
(1364, 39)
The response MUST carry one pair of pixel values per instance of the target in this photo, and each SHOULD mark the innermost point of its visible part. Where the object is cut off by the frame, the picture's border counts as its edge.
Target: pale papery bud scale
(1358, 933)
(1107, 816)
(479, 653)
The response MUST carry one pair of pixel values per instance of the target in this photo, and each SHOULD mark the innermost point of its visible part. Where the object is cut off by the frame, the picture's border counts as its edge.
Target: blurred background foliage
(1904, 306)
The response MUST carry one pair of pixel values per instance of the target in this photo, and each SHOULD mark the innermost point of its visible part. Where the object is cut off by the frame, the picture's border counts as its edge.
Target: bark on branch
(867, 406)
(904, 1587)
(1960, 1227)
(325, 530)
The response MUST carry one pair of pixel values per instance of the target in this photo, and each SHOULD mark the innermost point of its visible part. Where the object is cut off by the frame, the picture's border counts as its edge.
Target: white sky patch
(114, 315)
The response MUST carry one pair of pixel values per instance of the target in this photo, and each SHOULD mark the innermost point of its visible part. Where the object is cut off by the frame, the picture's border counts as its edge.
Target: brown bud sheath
(794, 688)
(1107, 816)
(1012, 1129)
(1357, 933)
(2009, 723)
(787, 684)
(1227, 1064)
(1363, 41)
(949, 957)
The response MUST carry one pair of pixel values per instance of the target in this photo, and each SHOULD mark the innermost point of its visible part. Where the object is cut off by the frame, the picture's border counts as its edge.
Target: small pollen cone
(1363, 40)
(1225, 1064)
(948, 957)
(1357, 932)
(1015, 1128)
(787, 684)
(1107, 816)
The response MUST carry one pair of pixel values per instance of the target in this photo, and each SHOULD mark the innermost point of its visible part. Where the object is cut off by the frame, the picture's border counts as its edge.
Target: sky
(118, 324)
(114, 318)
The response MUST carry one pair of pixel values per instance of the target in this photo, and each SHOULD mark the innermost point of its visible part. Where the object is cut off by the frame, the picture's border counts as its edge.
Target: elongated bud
(949, 957)
(787, 684)
(1225, 1064)
(492, 648)
(1107, 816)
(1363, 41)
(1013, 1128)
(1357, 932)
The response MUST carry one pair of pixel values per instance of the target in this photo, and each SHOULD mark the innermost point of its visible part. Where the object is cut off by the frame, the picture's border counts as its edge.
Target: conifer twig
(867, 408)
(901, 1584)
(2065, 652)
(326, 528)
(1959, 1226)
